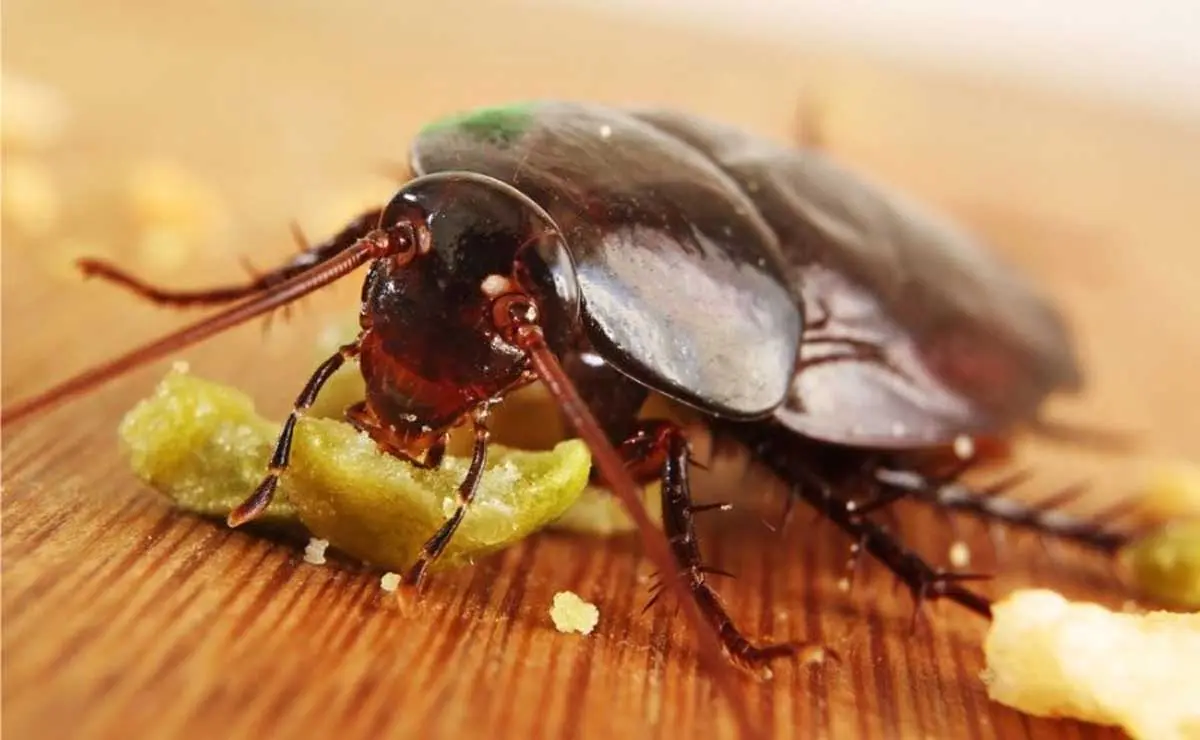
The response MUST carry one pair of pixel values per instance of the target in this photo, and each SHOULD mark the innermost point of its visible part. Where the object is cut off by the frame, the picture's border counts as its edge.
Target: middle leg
(662, 444)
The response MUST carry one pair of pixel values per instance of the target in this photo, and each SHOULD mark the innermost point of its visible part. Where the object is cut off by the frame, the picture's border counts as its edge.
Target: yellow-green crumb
(572, 614)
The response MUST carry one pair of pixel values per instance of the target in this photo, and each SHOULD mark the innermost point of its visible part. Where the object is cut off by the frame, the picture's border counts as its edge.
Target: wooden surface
(122, 618)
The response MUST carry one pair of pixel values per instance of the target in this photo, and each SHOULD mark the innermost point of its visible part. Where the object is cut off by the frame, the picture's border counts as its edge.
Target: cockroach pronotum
(838, 331)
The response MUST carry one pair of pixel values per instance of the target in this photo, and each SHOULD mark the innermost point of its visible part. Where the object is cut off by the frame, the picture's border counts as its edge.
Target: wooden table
(123, 618)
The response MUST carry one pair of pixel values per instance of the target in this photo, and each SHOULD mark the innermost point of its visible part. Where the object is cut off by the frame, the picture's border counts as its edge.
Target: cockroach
(838, 330)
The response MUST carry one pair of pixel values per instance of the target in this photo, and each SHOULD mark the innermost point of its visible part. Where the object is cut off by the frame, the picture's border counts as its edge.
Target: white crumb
(572, 614)
(314, 552)
(960, 554)
(390, 582)
(964, 447)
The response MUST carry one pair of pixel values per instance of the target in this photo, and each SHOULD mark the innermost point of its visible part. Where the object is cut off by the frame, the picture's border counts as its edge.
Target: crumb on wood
(31, 201)
(314, 552)
(34, 115)
(960, 554)
(572, 614)
(175, 212)
(1051, 657)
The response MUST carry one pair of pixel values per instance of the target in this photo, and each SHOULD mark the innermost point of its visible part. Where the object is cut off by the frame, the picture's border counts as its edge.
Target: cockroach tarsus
(834, 329)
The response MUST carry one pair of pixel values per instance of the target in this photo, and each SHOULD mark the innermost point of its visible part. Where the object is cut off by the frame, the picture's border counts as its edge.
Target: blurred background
(1143, 54)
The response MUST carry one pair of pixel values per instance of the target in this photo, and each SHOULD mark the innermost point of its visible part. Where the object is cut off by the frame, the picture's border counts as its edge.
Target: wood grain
(123, 618)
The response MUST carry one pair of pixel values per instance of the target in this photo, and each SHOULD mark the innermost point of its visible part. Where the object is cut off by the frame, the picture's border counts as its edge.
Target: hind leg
(814, 471)
(310, 257)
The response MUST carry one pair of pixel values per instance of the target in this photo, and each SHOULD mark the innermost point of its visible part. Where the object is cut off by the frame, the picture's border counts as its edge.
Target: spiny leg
(806, 468)
(261, 498)
(1043, 517)
(436, 544)
(307, 259)
(664, 441)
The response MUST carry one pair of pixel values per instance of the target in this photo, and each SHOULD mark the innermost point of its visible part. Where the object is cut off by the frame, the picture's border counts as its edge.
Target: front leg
(436, 544)
(663, 444)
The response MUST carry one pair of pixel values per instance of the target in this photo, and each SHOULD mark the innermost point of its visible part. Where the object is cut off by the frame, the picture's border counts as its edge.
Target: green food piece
(202, 445)
(382, 510)
(1165, 565)
(598, 512)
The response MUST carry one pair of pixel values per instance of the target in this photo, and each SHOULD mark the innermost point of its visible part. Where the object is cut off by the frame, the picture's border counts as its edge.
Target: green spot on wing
(501, 124)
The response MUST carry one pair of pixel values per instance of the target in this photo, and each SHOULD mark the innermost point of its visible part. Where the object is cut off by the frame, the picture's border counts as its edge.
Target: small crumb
(181, 366)
(960, 554)
(31, 202)
(605, 131)
(964, 447)
(390, 582)
(34, 116)
(815, 655)
(175, 212)
(843, 584)
(314, 552)
(572, 614)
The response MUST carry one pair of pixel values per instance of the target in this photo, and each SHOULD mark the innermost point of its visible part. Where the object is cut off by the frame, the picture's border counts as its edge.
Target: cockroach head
(487, 259)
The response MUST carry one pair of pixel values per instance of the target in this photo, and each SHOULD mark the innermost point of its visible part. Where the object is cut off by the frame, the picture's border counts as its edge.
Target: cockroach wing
(916, 332)
(684, 286)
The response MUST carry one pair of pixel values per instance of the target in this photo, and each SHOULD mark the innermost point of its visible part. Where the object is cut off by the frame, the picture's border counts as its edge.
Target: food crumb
(314, 552)
(1051, 657)
(390, 582)
(843, 584)
(964, 447)
(175, 211)
(34, 115)
(572, 614)
(960, 554)
(31, 202)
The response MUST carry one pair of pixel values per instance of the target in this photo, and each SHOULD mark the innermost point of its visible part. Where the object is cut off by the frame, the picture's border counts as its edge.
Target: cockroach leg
(261, 498)
(663, 444)
(361, 417)
(306, 260)
(922, 580)
(1042, 517)
(811, 477)
(436, 544)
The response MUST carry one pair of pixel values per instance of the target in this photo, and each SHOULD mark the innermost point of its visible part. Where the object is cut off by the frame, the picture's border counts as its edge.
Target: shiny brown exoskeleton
(843, 334)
